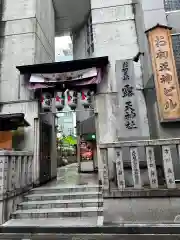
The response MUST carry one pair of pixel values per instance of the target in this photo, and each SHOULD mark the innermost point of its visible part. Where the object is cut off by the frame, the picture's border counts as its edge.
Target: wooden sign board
(166, 80)
(6, 140)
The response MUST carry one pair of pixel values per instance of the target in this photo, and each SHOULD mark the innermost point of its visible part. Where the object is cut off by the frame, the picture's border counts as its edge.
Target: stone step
(73, 203)
(55, 222)
(62, 196)
(57, 213)
(67, 189)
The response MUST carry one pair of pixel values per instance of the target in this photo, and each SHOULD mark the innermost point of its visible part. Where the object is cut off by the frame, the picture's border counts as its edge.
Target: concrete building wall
(45, 31)
(115, 36)
(119, 44)
(20, 30)
(80, 52)
(79, 43)
(26, 37)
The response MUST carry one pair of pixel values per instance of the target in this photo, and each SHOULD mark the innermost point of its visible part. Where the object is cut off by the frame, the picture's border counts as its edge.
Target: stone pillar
(115, 36)
(27, 37)
(53, 144)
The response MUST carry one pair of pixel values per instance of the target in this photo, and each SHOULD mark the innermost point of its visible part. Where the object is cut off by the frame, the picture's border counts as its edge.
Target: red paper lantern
(86, 98)
(72, 99)
(59, 100)
(46, 101)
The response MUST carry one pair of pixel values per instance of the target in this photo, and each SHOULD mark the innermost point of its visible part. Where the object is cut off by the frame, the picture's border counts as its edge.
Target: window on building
(176, 49)
(60, 115)
(70, 131)
(171, 5)
(90, 39)
(61, 127)
(68, 114)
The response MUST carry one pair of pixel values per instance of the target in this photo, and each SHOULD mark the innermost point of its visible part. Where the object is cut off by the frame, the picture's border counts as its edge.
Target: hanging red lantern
(86, 98)
(59, 100)
(72, 99)
(46, 101)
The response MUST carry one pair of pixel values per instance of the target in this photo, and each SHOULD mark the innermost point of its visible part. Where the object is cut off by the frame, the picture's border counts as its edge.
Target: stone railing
(149, 164)
(15, 171)
(15, 179)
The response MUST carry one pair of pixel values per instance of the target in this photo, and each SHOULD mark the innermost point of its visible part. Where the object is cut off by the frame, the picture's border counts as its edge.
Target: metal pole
(78, 153)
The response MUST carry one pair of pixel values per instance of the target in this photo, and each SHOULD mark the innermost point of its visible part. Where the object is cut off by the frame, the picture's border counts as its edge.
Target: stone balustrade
(151, 163)
(15, 178)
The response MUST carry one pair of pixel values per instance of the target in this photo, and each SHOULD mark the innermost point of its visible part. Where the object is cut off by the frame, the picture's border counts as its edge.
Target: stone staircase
(78, 205)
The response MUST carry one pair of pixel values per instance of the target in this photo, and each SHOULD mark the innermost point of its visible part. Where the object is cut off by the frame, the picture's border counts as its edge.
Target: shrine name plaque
(165, 75)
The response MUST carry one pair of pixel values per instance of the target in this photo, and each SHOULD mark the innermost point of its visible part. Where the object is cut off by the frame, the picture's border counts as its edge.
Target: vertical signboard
(136, 174)
(129, 114)
(151, 165)
(166, 80)
(120, 169)
(168, 167)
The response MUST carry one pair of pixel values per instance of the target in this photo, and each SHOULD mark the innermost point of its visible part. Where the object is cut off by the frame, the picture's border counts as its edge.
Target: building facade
(116, 29)
(66, 122)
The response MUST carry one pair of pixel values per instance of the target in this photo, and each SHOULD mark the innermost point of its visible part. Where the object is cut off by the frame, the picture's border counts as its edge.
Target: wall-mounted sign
(166, 80)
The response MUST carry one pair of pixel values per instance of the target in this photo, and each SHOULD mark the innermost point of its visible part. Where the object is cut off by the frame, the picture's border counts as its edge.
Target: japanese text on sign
(120, 169)
(151, 167)
(127, 94)
(135, 166)
(166, 81)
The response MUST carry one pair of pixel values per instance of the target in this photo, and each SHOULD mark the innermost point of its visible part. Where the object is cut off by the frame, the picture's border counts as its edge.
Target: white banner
(64, 77)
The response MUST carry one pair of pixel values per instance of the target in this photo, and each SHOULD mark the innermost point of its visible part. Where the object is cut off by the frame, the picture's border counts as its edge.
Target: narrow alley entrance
(76, 151)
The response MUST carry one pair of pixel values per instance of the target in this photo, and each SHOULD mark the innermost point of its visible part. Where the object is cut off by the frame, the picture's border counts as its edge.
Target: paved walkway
(69, 175)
